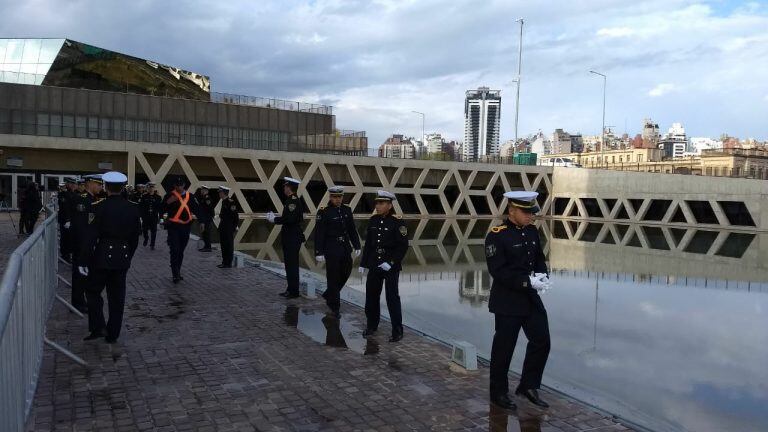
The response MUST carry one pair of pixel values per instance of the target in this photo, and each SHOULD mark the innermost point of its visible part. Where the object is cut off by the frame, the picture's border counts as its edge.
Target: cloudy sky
(702, 63)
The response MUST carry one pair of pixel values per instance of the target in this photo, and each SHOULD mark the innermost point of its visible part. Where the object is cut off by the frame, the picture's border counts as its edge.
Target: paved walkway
(222, 352)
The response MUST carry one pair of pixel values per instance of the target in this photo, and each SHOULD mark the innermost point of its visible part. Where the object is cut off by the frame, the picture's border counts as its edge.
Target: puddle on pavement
(338, 333)
(501, 420)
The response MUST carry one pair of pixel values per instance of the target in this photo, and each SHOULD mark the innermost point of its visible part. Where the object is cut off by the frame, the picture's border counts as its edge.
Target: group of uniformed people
(102, 234)
(337, 243)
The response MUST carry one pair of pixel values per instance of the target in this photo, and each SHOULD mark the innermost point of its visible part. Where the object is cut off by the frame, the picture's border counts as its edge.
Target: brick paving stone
(220, 352)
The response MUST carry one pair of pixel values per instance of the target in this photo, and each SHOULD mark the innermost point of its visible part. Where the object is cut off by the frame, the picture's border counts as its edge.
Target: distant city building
(561, 142)
(698, 144)
(435, 143)
(482, 117)
(591, 142)
(398, 146)
(540, 144)
(507, 149)
(650, 134)
(577, 143)
(674, 143)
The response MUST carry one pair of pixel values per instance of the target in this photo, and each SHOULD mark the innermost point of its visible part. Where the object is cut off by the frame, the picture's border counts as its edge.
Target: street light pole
(602, 139)
(519, 72)
(423, 141)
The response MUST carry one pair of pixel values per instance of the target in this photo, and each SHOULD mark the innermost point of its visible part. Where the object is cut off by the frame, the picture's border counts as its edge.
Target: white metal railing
(27, 293)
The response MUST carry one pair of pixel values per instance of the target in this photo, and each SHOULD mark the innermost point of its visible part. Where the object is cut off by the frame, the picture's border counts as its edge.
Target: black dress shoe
(94, 335)
(283, 294)
(503, 401)
(292, 295)
(110, 340)
(533, 396)
(397, 337)
(205, 250)
(152, 247)
(176, 279)
(224, 266)
(369, 332)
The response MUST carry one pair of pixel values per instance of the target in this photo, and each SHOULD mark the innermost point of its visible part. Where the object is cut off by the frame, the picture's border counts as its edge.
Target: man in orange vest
(180, 208)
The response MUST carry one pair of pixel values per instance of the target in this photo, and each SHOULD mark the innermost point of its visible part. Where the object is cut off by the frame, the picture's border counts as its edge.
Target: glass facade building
(68, 63)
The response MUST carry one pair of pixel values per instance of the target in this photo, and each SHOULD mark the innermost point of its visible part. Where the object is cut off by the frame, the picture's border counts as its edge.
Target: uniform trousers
(79, 284)
(227, 241)
(114, 282)
(291, 260)
(149, 230)
(536, 329)
(378, 279)
(178, 237)
(338, 267)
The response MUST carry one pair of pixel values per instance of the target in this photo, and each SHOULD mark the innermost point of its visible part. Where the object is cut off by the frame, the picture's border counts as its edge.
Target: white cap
(336, 190)
(383, 195)
(291, 180)
(224, 188)
(523, 199)
(114, 177)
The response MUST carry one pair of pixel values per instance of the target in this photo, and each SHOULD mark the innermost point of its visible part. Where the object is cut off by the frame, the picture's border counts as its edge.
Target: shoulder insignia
(233, 207)
(403, 230)
(133, 202)
(321, 208)
(291, 207)
(498, 229)
(84, 194)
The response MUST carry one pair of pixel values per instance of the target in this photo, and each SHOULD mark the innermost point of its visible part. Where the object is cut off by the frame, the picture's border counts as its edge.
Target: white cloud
(662, 89)
(615, 32)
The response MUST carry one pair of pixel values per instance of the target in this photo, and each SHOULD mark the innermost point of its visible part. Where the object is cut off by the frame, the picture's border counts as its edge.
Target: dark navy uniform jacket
(80, 216)
(115, 234)
(150, 206)
(512, 254)
(293, 215)
(386, 240)
(335, 231)
(228, 215)
(206, 208)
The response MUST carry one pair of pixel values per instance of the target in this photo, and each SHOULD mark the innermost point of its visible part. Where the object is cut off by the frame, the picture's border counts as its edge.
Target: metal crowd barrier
(27, 294)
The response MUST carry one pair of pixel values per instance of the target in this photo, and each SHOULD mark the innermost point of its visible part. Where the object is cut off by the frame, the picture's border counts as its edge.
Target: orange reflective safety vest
(183, 208)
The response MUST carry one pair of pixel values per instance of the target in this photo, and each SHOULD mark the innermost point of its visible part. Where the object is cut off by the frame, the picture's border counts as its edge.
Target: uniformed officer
(107, 257)
(517, 264)
(80, 227)
(150, 205)
(386, 242)
(228, 220)
(335, 238)
(205, 219)
(180, 207)
(291, 234)
(66, 200)
(81, 185)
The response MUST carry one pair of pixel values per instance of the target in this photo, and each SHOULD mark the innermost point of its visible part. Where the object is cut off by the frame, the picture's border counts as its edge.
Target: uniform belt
(380, 250)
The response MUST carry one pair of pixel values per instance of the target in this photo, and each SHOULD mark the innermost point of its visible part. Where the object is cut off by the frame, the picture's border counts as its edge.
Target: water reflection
(500, 420)
(327, 330)
(669, 339)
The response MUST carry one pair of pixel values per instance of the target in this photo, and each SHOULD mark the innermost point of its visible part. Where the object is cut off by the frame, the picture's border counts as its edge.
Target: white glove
(83, 270)
(356, 253)
(67, 225)
(237, 228)
(536, 281)
(320, 258)
(547, 285)
(361, 270)
(271, 217)
(385, 266)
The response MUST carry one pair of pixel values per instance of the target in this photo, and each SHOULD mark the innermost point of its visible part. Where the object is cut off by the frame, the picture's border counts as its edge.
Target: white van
(559, 162)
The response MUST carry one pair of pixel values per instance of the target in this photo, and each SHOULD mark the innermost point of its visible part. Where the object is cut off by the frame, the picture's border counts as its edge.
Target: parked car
(559, 162)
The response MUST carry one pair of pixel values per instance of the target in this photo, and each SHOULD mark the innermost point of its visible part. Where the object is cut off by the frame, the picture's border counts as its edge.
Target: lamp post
(423, 141)
(519, 71)
(602, 135)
